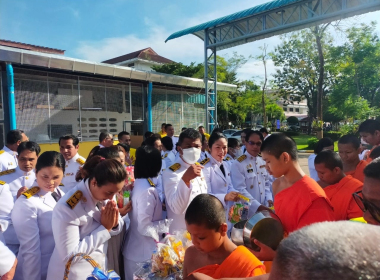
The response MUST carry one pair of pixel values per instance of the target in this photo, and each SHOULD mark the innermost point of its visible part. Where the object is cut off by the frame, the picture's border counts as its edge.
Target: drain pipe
(150, 118)
(11, 96)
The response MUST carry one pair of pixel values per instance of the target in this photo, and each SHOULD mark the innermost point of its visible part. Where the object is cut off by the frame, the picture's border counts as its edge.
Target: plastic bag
(239, 210)
(130, 180)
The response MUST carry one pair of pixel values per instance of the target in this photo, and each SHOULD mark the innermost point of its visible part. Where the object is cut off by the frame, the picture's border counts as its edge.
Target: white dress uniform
(32, 220)
(178, 195)
(169, 158)
(175, 141)
(6, 226)
(16, 179)
(203, 156)
(228, 160)
(251, 179)
(77, 229)
(7, 259)
(146, 212)
(71, 169)
(8, 159)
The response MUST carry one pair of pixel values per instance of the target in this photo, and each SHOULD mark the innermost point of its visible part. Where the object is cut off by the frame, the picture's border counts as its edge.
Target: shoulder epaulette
(241, 158)
(227, 159)
(151, 182)
(32, 191)
(166, 155)
(61, 185)
(2, 183)
(2, 152)
(74, 199)
(9, 171)
(175, 167)
(259, 155)
(80, 161)
(205, 161)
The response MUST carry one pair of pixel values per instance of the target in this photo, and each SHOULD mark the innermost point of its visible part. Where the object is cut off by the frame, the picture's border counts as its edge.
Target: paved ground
(303, 161)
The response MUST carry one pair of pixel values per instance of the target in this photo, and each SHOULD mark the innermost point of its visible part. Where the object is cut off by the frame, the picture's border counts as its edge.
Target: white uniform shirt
(79, 230)
(7, 259)
(312, 171)
(169, 158)
(228, 160)
(175, 141)
(6, 226)
(217, 184)
(32, 220)
(252, 180)
(71, 169)
(146, 212)
(8, 159)
(178, 195)
(16, 179)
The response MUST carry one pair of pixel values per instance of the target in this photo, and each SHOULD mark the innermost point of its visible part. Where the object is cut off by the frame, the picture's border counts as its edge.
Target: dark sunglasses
(365, 205)
(258, 144)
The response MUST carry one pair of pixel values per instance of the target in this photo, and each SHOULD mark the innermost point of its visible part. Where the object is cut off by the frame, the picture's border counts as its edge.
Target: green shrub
(291, 133)
(334, 135)
(312, 143)
(349, 129)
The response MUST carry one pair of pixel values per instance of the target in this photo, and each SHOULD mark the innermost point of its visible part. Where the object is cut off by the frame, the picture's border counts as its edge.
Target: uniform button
(67, 166)
(261, 193)
(26, 178)
(251, 186)
(259, 183)
(225, 185)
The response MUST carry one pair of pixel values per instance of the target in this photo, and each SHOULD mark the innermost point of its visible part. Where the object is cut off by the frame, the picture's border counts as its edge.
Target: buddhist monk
(340, 186)
(375, 153)
(370, 132)
(349, 151)
(213, 252)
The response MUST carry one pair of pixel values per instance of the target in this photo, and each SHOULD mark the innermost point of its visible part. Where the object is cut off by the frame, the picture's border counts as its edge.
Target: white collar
(73, 159)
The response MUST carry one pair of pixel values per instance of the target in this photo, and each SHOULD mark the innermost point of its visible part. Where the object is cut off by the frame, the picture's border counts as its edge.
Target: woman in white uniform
(146, 210)
(217, 173)
(32, 217)
(167, 148)
(325, 143)
(86, 218)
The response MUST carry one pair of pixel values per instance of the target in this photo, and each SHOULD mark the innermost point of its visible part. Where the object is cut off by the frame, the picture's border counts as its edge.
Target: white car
(236, 135)
(229, 132)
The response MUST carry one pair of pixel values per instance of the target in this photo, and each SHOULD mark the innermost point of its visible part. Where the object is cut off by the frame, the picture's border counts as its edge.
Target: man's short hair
(68, 137)
(150, 140)
(109, 152)
(167, 125)
(350, 139)
(183, 129)
(323, 143)
(369, 126)
(201, 126)
(190, 133)
(163, 124)
(233, 143)
(330, 159)
(121, 134)
(329, 251)
(167, 142)
(13, 136)
(375, 153)
(206, 210)
(30, 146)
(264, 130)
(279, 143)
(148, 134)
(372, 170)
(104, 135)
(253, 132)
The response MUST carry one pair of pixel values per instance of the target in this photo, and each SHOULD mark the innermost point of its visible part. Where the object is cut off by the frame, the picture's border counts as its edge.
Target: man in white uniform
(68, 146)
(8, 155)
(184, 180)
(170, 132)
(15, 181)
(105, 140)
(249, 175)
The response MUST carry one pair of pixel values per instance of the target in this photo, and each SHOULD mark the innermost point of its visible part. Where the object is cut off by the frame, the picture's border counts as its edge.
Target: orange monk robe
(302, 204)
(340, 195)
(241, 263)
(358, 173)
(366, 157)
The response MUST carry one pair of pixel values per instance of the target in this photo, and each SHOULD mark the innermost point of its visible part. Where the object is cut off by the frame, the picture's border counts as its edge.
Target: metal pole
(11, 96)
(206, 77)
(150, 118)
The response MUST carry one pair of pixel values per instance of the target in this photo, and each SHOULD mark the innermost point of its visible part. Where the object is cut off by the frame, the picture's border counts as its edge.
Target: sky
(98, 30)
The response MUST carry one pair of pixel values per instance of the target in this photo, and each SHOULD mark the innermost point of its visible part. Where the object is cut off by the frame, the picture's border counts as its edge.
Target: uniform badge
(151, 182)
(61, 185)
(241, 158)
(175, 167)
(80, 161)
(32, 191)
(9, 171)
(205, 161)
(166, 155)
(249, 170)
(74, 199)
(2, 152)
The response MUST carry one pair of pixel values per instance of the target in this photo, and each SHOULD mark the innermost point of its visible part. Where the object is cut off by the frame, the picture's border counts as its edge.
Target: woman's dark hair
(30, 146)
(109, 152)
(215, 136)
(93, 152)
(126, 147)
(50, 159)
(150, 141)
(148, 162)
(252, 132)
(148, 134)
(13, 136)
(167, 142)
(233, 143)
(190, 133)
(323, 143)
(103, 170)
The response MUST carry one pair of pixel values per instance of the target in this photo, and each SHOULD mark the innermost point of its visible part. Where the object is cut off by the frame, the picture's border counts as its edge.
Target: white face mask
(238, 152)
(191, 155)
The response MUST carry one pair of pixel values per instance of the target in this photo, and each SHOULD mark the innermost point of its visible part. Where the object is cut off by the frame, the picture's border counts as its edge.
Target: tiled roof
(144, 54)
(30, 47)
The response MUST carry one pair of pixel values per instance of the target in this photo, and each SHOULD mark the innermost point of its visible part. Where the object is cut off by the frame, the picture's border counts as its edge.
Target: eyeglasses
(365, 205)
(258, 144)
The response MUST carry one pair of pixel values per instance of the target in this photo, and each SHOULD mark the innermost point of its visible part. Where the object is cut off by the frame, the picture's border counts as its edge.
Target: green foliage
(193, 70)
(312, 143)
(291, 133)
(349, 129)
(334, 135)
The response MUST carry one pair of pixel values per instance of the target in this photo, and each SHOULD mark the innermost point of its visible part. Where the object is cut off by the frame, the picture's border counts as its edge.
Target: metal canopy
(263, 21)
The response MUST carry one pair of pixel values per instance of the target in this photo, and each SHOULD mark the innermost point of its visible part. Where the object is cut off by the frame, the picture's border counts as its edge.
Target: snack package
(122, 198)
(129, 181)
(239, 210)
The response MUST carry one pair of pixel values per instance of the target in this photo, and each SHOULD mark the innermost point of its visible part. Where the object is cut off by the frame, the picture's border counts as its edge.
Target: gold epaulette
(61, 185)
(241, 158)
(205, 161)
(2, 152)
(227, 159)
(32, 191)
(175, 167)
(74, 199)
(2, 183)
(9, 171)
(80, 161)
(151, 182)
(166, 155)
